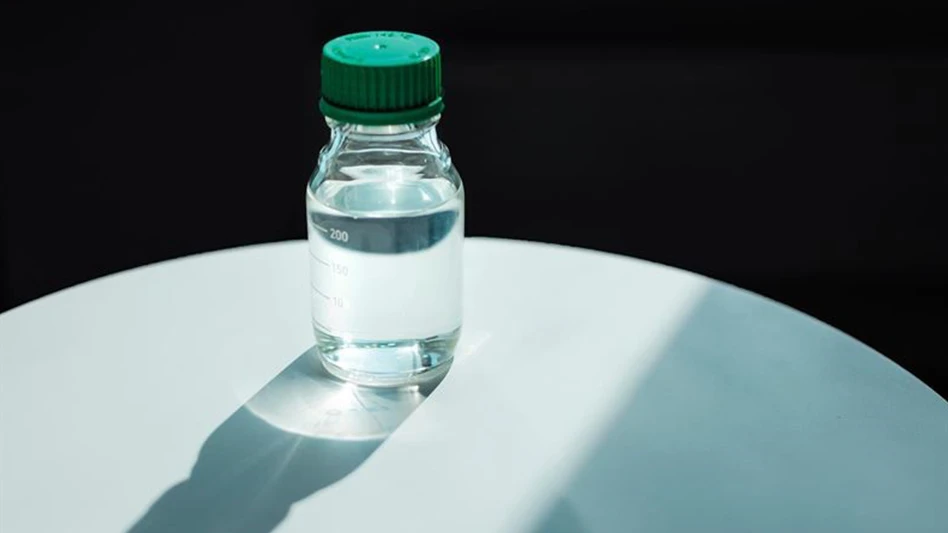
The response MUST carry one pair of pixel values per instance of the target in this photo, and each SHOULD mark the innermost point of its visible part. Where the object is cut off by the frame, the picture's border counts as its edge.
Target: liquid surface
(385, 271)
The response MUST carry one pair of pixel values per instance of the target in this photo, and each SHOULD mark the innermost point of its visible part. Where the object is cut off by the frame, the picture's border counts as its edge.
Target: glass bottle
(385, 214)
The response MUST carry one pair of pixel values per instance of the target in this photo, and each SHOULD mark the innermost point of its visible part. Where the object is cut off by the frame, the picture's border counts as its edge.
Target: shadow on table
(302, 432)
(758, 418)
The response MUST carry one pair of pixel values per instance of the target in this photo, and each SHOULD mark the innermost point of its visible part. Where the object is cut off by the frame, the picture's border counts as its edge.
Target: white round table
(591, 393)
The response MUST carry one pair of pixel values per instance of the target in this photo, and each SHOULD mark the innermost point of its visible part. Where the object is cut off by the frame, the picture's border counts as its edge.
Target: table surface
(591, 393)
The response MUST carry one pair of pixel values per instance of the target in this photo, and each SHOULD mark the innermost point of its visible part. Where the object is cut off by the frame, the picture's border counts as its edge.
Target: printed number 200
(339, 235)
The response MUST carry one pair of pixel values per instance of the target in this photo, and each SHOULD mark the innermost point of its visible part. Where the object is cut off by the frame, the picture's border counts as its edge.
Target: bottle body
(385, 215)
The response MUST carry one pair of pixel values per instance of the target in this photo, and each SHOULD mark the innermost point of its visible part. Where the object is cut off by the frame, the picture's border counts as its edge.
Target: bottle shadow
(302, 432)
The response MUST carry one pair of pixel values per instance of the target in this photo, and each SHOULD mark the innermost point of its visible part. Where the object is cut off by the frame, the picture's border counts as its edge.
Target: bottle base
(393, 363)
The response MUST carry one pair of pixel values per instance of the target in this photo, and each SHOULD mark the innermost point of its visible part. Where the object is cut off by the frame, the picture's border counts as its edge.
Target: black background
(798, 150)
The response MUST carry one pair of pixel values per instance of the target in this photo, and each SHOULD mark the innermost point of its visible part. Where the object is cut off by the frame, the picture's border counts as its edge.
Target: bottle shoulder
(385, 163)
(381, 180)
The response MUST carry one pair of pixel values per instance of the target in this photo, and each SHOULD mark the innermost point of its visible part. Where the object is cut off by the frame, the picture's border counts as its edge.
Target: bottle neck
(353, 148)
(397, 133)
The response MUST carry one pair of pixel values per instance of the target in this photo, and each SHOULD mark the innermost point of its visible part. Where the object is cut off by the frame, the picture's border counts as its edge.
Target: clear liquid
(385, 273)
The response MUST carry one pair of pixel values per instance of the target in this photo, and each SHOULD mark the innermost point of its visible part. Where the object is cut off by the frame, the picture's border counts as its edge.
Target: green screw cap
(381, 77)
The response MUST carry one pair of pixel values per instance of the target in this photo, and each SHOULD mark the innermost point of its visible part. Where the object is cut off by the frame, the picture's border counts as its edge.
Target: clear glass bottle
(385, 212)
